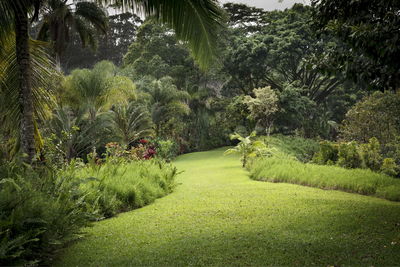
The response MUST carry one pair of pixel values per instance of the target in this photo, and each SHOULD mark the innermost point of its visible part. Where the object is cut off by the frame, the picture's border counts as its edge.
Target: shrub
(392, 150)
(376, 115)
(348, 155)
(247, 148)
(41, 209)
(371, 154)
(328, 153)
(166, 149)
(389, 167)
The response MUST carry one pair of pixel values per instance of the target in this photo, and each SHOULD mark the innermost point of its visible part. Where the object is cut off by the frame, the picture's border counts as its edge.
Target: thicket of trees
(288, 51)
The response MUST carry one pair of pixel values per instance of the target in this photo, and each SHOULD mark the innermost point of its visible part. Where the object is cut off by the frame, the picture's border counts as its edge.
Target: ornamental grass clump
(120, 185)
(362, 181)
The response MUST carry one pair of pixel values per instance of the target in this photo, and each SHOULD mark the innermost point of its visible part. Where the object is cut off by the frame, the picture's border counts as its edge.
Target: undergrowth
(42, 208)
(119, 185)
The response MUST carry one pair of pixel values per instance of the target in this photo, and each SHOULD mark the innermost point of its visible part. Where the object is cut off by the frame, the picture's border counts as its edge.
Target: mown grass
(361, 181)
(217, 216)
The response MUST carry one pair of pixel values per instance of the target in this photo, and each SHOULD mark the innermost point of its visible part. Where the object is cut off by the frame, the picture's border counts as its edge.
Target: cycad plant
(247, 148)
(130, 122)
(74, 135)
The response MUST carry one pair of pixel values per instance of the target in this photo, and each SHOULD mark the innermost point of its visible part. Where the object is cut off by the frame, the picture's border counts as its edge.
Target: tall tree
(279, 53)
(246, 18)
(156, 52)
(42, 77)
(369, 51)
(112, 46)
(15, 18)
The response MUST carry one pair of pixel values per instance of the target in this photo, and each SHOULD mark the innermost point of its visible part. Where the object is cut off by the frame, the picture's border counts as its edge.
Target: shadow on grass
(334, 233)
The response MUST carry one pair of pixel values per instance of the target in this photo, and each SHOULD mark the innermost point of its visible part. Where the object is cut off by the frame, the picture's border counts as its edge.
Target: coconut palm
(195, 21)
(41, 77)
(59, 18)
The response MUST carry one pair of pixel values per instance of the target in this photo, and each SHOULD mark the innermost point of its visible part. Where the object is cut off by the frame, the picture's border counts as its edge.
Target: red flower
(149, 153)
(143, 141)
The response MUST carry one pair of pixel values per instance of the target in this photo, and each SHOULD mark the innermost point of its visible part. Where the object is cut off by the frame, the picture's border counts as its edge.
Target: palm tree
(97, 89)
(75, 134)
(41, 81)
(166, 102)
(59, 18)
(195, 21)
(201, 116)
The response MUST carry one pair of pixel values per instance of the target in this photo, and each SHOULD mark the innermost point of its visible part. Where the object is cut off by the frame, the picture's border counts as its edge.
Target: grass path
(218, 216)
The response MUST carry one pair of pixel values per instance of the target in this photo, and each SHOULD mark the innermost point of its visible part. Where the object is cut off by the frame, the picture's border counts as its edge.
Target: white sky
(268, 4)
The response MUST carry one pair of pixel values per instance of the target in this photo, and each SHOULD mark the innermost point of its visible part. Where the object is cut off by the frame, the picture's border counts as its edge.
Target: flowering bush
(142, 150)
(150, 153)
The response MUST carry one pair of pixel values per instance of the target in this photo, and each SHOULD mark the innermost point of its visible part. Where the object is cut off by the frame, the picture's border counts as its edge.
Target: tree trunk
(25, 91)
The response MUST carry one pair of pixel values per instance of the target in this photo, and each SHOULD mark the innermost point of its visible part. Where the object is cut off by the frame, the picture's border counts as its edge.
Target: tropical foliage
(88, 133)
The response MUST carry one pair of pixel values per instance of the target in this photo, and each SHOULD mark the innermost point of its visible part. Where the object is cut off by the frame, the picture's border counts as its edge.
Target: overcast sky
(268, 4)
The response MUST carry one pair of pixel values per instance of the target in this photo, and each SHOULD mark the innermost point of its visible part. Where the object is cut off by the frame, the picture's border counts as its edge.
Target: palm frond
(92, 13)
(86, 33)
(43, 33)
(6, 22)
(131, 122)
(43, 73)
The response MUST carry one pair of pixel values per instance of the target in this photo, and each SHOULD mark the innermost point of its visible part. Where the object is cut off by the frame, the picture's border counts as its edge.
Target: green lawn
(218, 216)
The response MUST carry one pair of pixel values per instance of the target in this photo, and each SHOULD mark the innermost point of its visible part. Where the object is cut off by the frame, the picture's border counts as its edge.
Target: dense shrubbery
(376, 115)
(43, 208)
(166, 149)
(282, 166)
(40, 210)
(348, 155)
(371, 155)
